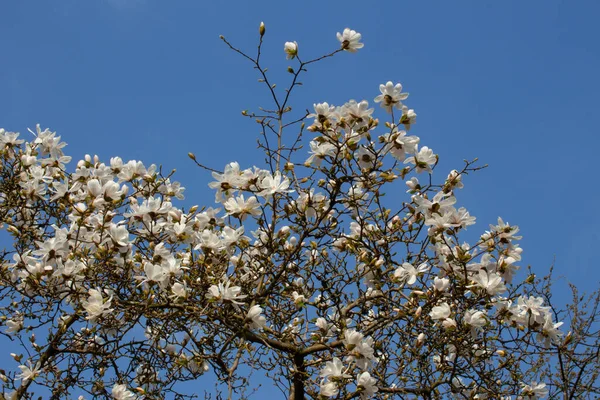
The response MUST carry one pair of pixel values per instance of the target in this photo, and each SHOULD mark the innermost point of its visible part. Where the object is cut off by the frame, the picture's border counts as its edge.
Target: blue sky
(513, 83)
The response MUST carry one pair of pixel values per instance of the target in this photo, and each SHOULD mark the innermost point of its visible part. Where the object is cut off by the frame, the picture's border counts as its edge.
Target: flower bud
(261, 29)
(449, 323)
(291, 49)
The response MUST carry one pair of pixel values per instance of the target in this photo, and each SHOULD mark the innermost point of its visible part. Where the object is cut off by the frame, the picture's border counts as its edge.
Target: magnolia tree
(305, 275)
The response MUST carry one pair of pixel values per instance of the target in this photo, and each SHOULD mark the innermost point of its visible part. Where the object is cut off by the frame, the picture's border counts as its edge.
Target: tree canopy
(338, 272)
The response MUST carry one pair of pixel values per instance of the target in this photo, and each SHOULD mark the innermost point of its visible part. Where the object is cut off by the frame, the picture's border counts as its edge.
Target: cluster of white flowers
(112, 245)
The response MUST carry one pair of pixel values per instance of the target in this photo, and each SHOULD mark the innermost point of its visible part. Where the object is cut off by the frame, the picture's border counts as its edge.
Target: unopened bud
(568, 339)
(261, 29)
(192, 156)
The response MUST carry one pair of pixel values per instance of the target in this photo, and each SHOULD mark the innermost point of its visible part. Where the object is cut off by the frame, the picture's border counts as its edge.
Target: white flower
(449, 323)
(318, 152)
(299, 299)
(391, 96)
(328, 389)
(413, 185)
(95, 305)
(534, 391)
(240, 207)
(423, 160)
(325, 328)
(399, 145)
(28, 372)
(408, 118)
(366, 385)
(441, 284)
(155, 273)
(323, 112)
(407, 273)
(179, 290)
(454, 180)
(366, 158)
(350, 40)
(356, 113)
(334, 368)
(225, 292)
(14, 325)
(360, 348)
(491, 282)
(257, 321)
(440, 312)
(291, 49)
(274, 184)
(530, 310)
(550, 332)
(119, 234)
(120, 392)
(475, 318)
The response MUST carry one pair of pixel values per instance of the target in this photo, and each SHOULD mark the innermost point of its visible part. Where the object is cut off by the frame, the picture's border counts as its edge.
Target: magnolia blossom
(120, 392)
(325, 265)
(399, 144)
(441, 284)
(413, 185)
(179, 290)
(490, 282)
(550, 332)
(530, 310)
(257, 321)
(225, 292)
(328, 389)
(350, 40)
(299, 299)
(476, 319)
(360, 349)
(423, 160)
(357, 113)
(408, 273)
(440, 312)
(28, 373)
(95, 306)
(409, 117)
(272, 184)
(391, 96)
(366, 385)
(323, 112)
(15, 324)
(534, 391)
(291, 50)
(318, 152)
(334, 369)
(239, 207)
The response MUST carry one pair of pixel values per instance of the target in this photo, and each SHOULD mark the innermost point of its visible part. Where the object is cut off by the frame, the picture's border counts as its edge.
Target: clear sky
(514, 83)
